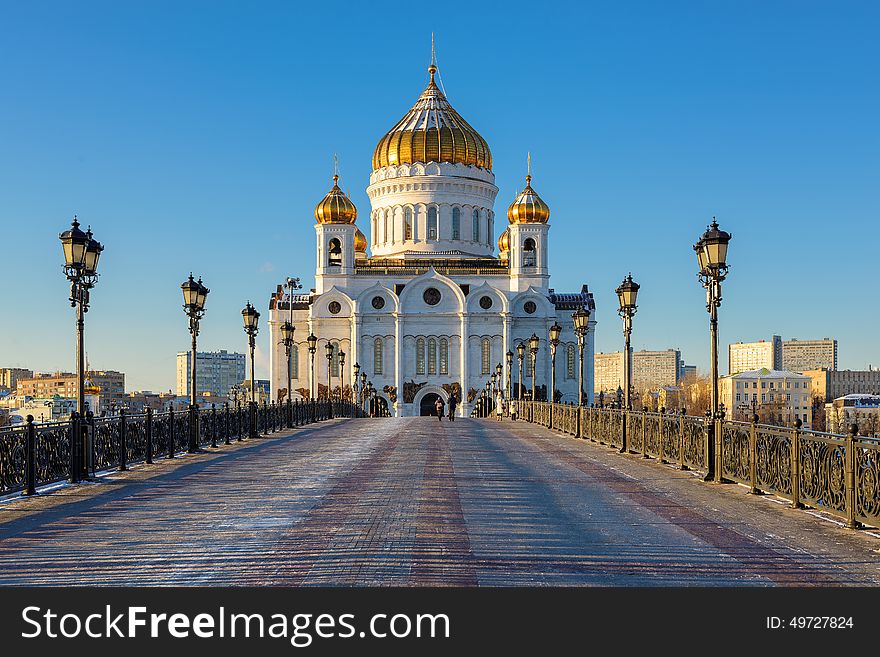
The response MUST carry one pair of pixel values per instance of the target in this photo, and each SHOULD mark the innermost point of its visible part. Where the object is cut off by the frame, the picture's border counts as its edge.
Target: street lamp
(341, 375)
(555, 331)
(581, 320)
(250, 316)
(488, 395)
(355, 388)
(627, 292)
(509, 361)
(534, 341)
(328, 349)
(363, 387)
(711, 250)
(194, 295)
(287, 331)
(494, 378)
(81, 254)
(312, 341)
(520, 356)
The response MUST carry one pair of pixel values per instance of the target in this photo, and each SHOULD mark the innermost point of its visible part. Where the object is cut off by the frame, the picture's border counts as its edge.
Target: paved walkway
(413, 501)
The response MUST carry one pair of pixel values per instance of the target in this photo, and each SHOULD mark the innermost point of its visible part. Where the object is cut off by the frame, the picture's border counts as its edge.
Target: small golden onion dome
(432, 131)
(360, 242)
(89, 388)
(504, 241)
(528, 208)
(336, 207)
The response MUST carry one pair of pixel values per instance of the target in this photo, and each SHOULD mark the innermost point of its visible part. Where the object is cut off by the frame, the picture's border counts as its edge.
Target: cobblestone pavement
(413, 501)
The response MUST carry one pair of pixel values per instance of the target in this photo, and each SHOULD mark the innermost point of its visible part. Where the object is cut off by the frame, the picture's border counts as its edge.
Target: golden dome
(89, 388)
(336, 207)
(360, 242)
(528, 208)
(504, 241)
(432, 131)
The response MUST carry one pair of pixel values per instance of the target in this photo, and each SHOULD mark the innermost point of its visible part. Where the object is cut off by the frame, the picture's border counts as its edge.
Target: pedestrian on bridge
(453, 402)
(438, 407)
(500, 406)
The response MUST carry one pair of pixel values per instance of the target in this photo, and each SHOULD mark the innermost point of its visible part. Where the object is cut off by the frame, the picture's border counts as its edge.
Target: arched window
(444, 356)
(491, 231)
(376, 228)
(571, 362)
(486, 356)
(456, 223)
(408, 224)
(529, 256)
(294, 362)
(334, 361)
(420, 356)
(432, 356)
(377, 356)
(387, 234)
(432, 223)
(476, 225)
(334, 252)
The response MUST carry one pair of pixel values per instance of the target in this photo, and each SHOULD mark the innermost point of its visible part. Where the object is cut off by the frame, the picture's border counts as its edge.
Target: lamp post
(711, 250)
(581, 320)
(341, 375)
(363, 388)
(488, 395)
(287, 331)
(81, 254)
(627, 293)
(355, 388)
(520, 356)
(312, 341)
(534, 341)
(509, 361)
(555, 331)
(328, 348)
(251, 317)
(194, 295)
(494, 379)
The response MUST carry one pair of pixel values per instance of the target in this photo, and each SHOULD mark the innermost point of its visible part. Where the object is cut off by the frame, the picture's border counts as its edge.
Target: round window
(530, 307)
(485, 303)
(378, 303)
(431, 296)
(334, 307)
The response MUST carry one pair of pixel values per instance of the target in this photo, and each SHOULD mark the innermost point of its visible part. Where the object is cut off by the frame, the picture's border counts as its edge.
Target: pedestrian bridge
(414, 501)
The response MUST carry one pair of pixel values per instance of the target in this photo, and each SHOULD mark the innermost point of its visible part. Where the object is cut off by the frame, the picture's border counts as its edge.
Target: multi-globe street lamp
(520, 356)
(194, 296)
(627, 293)
(251, 317)
(711, 250)
(81, 255)
(287, 331)
(581, 320)
(312, 341)
(534, 342)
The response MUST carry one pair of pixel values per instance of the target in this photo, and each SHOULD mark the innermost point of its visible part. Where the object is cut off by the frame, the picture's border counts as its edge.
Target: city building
(651, 370)
(216, 372)
(9, 376)
(800, 355)
(778, 397)
(432, 310)
(688, 372)
(860, 409)
(748, 356)
(830, 384)
(64, 384)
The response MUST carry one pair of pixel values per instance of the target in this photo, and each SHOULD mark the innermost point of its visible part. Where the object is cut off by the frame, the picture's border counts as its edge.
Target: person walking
(453, 402)
(499, 406)
(438, 408)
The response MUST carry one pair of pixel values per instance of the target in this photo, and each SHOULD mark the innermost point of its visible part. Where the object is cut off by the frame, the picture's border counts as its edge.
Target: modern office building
(748, 356)
(800, 355)
(216, 372)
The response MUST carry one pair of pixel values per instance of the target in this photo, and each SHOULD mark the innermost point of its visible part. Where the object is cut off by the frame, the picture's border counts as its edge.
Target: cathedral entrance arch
(426, 398)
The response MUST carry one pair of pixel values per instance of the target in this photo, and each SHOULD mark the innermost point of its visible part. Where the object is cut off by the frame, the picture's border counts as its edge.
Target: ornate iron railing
(836, 473)
(117, 441)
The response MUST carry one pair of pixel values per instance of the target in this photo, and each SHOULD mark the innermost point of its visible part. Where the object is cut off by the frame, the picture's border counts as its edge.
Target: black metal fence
(33, 455)
(832, 472)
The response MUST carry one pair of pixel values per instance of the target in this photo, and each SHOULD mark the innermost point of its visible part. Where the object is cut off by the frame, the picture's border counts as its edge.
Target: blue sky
(199, 136)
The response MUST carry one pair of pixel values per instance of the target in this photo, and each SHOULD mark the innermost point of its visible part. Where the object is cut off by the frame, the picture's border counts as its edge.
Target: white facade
(432, 308)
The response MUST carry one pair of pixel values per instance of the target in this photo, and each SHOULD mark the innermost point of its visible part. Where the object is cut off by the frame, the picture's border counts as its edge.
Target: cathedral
(425, 307)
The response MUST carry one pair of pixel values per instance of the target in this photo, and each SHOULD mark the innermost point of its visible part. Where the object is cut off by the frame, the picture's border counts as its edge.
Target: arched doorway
(426, 407)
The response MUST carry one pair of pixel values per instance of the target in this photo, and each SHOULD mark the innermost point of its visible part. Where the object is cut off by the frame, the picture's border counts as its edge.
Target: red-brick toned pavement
(413, 501)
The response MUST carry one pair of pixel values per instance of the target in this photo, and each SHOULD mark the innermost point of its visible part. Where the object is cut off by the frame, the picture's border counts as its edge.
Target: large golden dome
(360, 242)
(336, 207)
(528, 208)
(432, 131)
